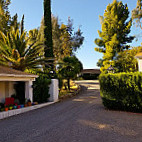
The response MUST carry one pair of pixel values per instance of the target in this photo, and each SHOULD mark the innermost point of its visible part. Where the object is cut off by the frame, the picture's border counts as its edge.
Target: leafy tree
(126, 61)
(76, 38)
(66, 41)
(69, 68)
(17, 53)
(4, 16)
(114, 35)
(137, 13)
(100, 63)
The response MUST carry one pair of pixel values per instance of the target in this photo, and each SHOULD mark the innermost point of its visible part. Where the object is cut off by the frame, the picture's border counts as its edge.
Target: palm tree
(17, 53)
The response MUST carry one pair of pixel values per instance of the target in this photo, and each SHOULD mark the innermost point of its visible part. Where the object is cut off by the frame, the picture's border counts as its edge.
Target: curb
(10, 113)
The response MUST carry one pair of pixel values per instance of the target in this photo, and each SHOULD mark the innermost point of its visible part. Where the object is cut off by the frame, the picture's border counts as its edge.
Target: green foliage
(114, 35)
(126, 61)
(48, 29)
(14, 22)
(100, 63)
(75, 39)
(69, 68)
(66, 40)
(17, 53)
(41, 89)
(137, 13)
(122, 91)
(4, 16)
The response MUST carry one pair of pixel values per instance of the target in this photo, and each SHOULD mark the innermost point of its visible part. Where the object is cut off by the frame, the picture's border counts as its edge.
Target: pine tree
(114, 35)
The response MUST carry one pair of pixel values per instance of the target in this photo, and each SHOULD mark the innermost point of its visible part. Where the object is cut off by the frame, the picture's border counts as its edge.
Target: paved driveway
(80, 119)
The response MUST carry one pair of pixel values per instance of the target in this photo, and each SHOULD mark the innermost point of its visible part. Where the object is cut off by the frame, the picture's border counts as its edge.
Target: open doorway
(20, 91)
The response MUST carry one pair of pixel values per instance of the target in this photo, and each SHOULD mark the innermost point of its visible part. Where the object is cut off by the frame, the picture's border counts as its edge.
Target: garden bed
(13, 112)
(64, 94)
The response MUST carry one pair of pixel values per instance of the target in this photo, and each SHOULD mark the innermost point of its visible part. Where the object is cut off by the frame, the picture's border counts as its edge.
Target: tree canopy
(4, 15)
(137, 13)
(114, 36)
(17, 53)
(66, 40)
(69, 68)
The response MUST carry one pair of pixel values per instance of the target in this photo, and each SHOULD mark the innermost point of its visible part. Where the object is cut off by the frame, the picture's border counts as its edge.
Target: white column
(29, 90)
(140, 65)
(54, 90)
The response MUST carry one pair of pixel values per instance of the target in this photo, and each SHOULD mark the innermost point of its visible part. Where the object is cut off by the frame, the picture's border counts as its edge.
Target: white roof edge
(14, 75)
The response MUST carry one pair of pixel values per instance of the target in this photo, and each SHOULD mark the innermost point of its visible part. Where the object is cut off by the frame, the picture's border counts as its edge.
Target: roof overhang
(14, 77)
(138, 56)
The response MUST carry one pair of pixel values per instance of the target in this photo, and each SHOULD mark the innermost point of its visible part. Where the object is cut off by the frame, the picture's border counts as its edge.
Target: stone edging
(9, 113)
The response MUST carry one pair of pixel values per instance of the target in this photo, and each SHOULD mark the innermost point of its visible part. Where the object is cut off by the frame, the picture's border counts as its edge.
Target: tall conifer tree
(48, 29)
(114, 35)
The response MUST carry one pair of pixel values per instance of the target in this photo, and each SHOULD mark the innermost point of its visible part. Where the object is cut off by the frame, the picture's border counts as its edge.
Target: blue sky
(83, 12)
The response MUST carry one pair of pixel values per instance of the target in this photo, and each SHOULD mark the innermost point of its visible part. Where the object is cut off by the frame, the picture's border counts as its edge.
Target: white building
(9, 77)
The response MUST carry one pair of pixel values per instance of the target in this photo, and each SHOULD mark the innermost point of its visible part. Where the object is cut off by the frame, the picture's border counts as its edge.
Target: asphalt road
(79, 119)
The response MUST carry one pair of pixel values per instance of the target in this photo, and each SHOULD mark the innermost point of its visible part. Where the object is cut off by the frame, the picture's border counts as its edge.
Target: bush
(41, 89)
(122, 91)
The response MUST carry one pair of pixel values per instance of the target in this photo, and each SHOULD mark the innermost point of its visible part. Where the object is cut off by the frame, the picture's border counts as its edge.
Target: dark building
(90, 74)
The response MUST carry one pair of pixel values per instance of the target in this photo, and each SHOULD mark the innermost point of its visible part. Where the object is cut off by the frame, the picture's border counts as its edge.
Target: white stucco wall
(2, 91)
(29, 90)
(54, 90)
(6, 90)
(140, 65)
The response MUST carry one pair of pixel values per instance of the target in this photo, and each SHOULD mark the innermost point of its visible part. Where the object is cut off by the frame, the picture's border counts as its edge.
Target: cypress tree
(48, 29)
(114, 35)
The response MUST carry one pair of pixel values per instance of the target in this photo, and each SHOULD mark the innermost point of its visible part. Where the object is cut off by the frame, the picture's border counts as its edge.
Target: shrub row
(122, 91)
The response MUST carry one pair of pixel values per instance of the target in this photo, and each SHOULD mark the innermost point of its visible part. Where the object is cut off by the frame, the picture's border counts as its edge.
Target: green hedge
(122, 91)
(41, 89)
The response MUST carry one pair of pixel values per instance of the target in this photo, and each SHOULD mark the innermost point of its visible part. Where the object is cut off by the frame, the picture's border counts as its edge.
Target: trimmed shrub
(41, 89)
(122, 91)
